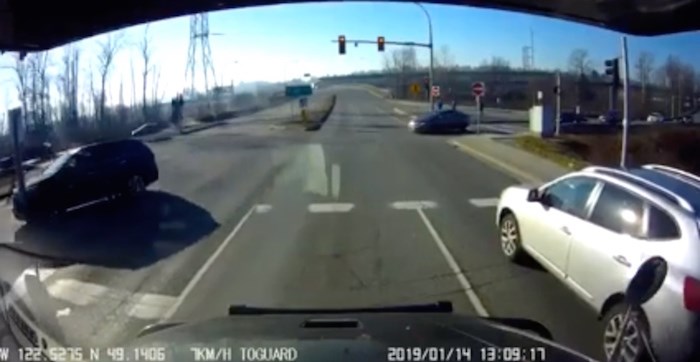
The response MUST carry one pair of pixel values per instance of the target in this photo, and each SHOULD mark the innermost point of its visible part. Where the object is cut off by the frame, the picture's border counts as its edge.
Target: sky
(276, 43)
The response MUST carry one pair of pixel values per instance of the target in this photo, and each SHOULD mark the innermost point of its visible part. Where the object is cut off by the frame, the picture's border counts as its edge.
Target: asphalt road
(360, 213)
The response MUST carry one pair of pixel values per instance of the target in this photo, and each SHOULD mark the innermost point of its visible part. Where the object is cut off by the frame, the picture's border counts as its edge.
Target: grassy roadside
(551, 149)
(672, 145)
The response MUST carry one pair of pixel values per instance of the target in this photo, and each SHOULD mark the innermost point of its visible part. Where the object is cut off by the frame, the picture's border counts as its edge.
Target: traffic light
(341, 44)
(380, 43)
(612, 67)
(426, 83)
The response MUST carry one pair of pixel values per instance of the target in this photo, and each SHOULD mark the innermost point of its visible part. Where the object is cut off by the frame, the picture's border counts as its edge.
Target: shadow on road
(365, 114)
(504, 121)
(382, 126)
(127, 234)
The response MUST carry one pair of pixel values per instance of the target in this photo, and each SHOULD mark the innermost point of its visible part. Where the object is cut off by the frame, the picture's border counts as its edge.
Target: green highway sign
(298, 90)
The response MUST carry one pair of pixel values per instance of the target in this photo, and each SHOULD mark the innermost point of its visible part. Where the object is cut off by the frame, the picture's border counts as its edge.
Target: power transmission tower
(199, 35)
(529, 53)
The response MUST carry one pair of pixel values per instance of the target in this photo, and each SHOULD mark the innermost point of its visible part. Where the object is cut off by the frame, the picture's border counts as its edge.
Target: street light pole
(430, 45)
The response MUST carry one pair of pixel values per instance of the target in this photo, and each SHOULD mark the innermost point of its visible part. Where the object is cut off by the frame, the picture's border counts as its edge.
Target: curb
(512, 171)
(318, 124)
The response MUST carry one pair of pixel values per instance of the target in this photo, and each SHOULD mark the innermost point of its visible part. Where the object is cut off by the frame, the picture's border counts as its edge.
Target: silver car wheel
(631, 342)
(509, 237)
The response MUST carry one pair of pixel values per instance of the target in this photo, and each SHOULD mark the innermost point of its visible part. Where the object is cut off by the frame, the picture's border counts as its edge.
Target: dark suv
(85, 174)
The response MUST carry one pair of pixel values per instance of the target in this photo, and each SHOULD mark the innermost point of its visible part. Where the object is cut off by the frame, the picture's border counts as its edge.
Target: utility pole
(557, 90)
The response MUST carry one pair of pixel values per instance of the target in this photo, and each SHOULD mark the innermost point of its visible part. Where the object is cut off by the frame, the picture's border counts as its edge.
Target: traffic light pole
(430, 46)
(625, 100)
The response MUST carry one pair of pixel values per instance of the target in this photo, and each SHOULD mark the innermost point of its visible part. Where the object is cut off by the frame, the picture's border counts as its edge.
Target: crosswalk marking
(486, 202)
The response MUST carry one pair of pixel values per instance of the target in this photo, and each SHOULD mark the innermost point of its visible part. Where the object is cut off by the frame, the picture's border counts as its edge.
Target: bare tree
(21, 82)
(108, 49)
(677, 78)
(579, 62)
(499, 64)
(68, 85)
(402, 62)
(133, 83)
(444, 59)
(645, 66)
(146, 51)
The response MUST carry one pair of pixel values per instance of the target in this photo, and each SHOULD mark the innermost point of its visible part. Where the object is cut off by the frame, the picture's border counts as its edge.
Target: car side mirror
(645, 283)
(534, 195)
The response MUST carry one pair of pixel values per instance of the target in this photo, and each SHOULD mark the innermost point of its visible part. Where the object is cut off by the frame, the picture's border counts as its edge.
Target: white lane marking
(335, 180)
(413, 205)
(212, 258)
(330, 207)
(466, 286)
(313, 168)
(396, 110)
(263, 208)
(485, 202)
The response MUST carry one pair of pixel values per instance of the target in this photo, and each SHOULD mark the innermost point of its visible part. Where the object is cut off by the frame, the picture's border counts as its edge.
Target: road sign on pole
(298, 90)
(415, 88)
(478, 89)
(435, 91)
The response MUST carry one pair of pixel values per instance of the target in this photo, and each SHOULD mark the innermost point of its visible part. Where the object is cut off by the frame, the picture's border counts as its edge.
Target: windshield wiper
(437, 307)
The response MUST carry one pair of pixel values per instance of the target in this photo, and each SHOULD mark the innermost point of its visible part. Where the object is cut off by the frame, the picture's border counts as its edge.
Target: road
(360, 213)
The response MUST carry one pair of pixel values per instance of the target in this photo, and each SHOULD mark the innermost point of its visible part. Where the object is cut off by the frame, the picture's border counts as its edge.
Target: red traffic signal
(380, 43)
(341, 44)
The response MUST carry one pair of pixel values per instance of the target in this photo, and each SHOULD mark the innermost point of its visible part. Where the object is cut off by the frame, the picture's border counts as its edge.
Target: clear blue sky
(285, 41)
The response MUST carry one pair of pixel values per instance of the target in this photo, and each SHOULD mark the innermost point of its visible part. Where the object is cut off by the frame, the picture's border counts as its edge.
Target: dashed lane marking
(486, 202)
(413, 205)
(396, 110)
(263, 208)
(330, 207)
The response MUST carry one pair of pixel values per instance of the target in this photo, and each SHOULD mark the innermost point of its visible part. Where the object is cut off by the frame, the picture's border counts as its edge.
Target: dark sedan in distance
(85, 174)
(441, 121)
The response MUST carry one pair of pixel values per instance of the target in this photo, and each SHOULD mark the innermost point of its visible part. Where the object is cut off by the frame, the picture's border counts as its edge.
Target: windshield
(284, 169)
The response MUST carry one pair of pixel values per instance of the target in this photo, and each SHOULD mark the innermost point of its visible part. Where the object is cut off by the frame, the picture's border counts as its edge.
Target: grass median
(313, 117)
(674, 145)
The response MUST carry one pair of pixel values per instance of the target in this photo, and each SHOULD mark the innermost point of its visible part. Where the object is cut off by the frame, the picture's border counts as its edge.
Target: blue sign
(298, 90)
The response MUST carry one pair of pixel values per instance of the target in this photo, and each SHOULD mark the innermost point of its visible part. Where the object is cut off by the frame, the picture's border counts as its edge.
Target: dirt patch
(674, 145)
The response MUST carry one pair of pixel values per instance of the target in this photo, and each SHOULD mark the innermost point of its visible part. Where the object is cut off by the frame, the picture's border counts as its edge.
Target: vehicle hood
(366, 337)
(35, 177)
